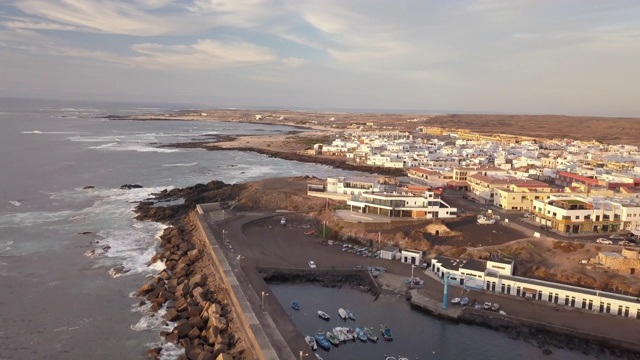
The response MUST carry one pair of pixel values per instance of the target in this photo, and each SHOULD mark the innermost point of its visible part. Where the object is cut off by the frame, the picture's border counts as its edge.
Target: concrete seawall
(254, 334)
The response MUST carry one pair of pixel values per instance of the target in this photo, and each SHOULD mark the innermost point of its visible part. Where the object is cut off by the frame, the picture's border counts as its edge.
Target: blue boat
(361, 335)
(295, 305)
(386, 333)
(321, 339)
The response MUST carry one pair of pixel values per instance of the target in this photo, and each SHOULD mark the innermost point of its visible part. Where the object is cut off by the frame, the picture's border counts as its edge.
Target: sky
(578, 57)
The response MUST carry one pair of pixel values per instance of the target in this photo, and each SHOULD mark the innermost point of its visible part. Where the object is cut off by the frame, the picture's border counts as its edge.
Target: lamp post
(412, 267)
(262, 299)
(224, 233)
(379, 240)
(302, 354)
(324, 229)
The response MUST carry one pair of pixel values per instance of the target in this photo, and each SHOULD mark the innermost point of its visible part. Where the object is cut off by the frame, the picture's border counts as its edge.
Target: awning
(635, 232)
(530, 290)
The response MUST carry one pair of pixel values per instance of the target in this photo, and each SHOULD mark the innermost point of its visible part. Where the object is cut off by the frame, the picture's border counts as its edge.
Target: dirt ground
(609, 130)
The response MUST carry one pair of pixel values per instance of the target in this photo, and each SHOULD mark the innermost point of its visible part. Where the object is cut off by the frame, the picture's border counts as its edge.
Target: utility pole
(262, 299)
(324, 229)
(379, 241)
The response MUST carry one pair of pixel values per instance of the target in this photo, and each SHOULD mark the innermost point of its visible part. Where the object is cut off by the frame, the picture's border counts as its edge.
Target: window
(577, 217)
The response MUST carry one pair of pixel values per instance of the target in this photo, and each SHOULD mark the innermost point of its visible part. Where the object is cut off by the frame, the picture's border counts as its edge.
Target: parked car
(604, 241)
(528, 215)
(624, 243)
(545, 227)
(616, 237)
(312, 264)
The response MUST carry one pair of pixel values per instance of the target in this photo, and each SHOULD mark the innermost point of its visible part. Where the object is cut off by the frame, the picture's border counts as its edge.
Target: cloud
(204, 54)
(294, 61)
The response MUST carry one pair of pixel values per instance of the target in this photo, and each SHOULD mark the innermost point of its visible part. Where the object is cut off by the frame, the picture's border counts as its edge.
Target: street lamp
(224, 232)
(302, 354)
(379, 240)
(262, 299)
(324, 229)
(412, 267)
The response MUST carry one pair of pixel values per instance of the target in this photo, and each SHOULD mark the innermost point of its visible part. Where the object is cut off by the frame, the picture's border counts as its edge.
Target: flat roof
(577, 289)
(475, 265)
(612, 254)
(390, 248)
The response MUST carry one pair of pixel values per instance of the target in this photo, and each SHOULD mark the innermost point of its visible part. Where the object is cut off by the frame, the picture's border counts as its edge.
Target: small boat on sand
(464, 301)
(349, 333)
(312, 342)
(361, 335)
(455, 300)
(323, 315)
(487, 305)
(321, 338)
(295, 305)
(495, 306)
(370, 334)
(343, 313)
(333, 339)
(350, 314)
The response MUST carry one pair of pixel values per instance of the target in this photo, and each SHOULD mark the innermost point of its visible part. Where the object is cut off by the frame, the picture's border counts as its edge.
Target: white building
(403, 205)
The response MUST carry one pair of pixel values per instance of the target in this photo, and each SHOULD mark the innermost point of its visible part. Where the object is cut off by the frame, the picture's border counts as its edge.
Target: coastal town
(510, 226)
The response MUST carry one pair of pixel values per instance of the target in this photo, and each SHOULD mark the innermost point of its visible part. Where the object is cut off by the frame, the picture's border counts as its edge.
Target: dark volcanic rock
(130, 186)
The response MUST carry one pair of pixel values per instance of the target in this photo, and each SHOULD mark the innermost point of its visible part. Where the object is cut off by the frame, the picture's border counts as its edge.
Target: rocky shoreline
(188, 289)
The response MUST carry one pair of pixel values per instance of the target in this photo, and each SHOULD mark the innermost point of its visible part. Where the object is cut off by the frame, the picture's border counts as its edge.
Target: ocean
(65, 224)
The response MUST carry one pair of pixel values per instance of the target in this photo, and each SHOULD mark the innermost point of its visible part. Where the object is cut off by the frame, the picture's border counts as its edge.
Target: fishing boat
(403, 358)
(337, 331)
(322, 341)
(361, 335)
(343, 313)
(295, 305)
(386, 333)
(312, 342)
(495, 306)
(389, 358)
(464, 301)
(319, 357)
(455, 300)
(323, 315)
(333, 339)
(349, 333)
(350, 314)
(370, 334)
(487, 305)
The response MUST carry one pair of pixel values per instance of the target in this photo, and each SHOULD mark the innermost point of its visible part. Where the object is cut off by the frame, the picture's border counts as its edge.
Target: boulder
(164, 274)
(181, 270)
(183, 247)
(145, 289)
(206, 355)
(194, 255)
(211, 334)
(181, 304)
(154, 353)
(183, 329)
(166, 295)
(172, 284)
(198, 280)
(172, 315)
(154, 294)
(155, 307)
(194, 333)
(172, 338)
(194, 310)
(196, 322)
(220, 352)
(222, 339)
(219, 323)
(130, 186)
(195, 353)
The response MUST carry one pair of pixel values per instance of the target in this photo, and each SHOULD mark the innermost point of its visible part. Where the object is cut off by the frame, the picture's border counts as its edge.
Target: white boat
(495, 306)
(312, 342)
(337, 331)
(389, 358)
(464, 301)
(349, 333)
(483, 220)
(487, 305)
(350, 314)
(343, 313)
(455, 300)
(323, 315)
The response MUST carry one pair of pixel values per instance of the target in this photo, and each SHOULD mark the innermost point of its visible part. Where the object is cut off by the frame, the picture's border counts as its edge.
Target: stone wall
(621, 264)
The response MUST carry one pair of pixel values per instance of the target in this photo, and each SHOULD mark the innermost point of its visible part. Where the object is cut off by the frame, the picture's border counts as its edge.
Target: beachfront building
(496, 275)
(428, 177)
(403, 205)
(413, 257)
(343, 188)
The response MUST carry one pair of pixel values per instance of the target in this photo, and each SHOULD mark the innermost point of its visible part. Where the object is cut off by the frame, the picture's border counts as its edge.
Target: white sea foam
(93, 138)
(132, 147)
(180, 164)
(33, 218)
(15, 203)
(50, 132)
